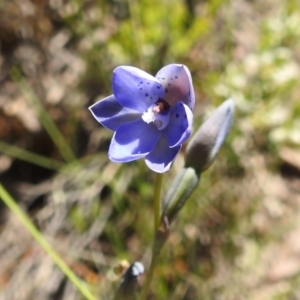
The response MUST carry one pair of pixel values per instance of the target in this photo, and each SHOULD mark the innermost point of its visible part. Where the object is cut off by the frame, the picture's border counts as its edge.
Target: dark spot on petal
(148, 82)
(158, 86)
(163, 78)
(151, 98)
(161, 106)
(169, 84)
(185, 116)
(141, 82)
(180, 104)
(177, 115)
(141, 89)
(176, 77)
(166, 90)
(146, 95)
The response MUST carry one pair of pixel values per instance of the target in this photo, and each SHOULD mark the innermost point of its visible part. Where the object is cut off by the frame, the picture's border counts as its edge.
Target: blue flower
(151, 116)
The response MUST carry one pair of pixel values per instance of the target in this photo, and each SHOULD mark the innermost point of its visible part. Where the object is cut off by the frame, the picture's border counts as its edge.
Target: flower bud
(179, 192)
(207, 141)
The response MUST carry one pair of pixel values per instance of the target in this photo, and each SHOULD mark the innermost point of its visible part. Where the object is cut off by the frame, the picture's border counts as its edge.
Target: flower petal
(177, 83)
(135, 89)
(133, 140)
(111, 114)
(180, 125)
(161, 158)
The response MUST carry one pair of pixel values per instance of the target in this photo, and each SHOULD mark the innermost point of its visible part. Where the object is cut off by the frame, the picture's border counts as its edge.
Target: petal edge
(133, 140)
(160, 160)
(135, 89)
(180, 125)
(111, 114)
(177, 83)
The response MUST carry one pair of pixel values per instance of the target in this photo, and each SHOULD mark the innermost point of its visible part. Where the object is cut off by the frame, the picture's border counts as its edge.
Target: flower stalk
(149, 277)
(157, 197)
(156, 248)
(160, 239)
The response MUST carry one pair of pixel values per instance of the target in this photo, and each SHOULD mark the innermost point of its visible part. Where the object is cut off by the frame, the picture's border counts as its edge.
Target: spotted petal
(161, 158)
(135, 89)
(180, 125)
(133, 140)
(111, 114)
(177, 83)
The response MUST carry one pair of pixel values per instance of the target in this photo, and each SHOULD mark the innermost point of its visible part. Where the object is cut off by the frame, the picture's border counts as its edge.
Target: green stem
(149, 277)
(157, 204)
(11, 204)
(157, 216)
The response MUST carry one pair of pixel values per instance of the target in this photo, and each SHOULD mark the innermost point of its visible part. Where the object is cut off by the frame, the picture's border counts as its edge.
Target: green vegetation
(238, 237)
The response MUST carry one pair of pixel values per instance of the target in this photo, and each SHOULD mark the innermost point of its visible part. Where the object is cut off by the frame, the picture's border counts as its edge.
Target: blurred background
(239, 235)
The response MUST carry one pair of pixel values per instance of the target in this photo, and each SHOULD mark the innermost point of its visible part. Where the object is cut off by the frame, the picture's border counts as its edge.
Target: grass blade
(11, 204)
(44, 117)
(29, 156)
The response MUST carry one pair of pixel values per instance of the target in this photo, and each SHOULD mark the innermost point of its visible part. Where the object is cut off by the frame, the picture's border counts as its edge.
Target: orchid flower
(151, 116)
